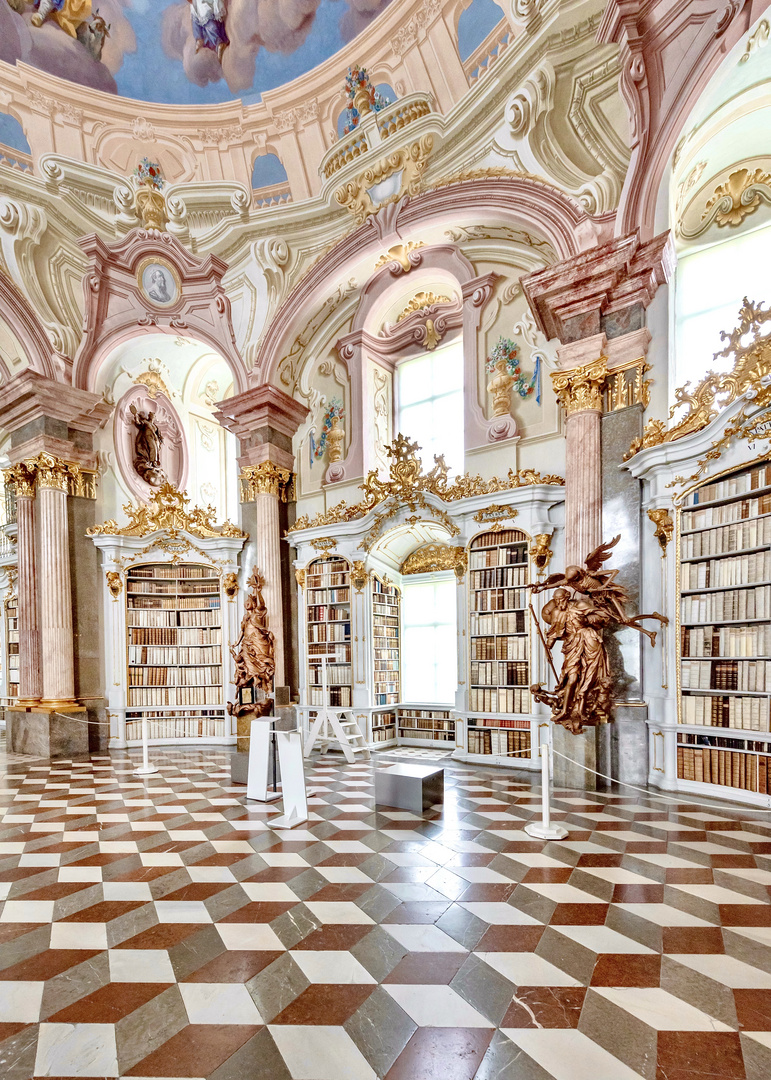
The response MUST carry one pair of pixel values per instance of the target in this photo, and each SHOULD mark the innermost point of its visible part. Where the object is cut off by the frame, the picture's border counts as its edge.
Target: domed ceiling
(186, 52)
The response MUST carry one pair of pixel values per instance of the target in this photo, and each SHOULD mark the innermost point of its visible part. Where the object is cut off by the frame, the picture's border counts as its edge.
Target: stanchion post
(545, 830)
(147, 769)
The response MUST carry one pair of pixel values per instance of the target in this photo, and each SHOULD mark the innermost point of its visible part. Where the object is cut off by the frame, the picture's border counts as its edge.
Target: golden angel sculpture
(587, 601)
(253, 653)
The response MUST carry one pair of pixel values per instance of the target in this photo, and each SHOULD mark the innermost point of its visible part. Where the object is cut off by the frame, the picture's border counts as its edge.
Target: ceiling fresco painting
(180, 51)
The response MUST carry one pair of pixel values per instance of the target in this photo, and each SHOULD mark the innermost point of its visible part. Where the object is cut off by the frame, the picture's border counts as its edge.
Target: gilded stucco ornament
(434, 557)
(741, 194)
(495, 512)
(664, 527)
(358, 575)
(580, 389)
(48, 471)
(403, 255)
(154, 383)
(750, 373)
(407, 485)
(114, 583)
(420, 302)
(230, 585)
(540, 551)
(299, 576)
(167, 512)
(266, 479)
(324, 543)
(411, 162)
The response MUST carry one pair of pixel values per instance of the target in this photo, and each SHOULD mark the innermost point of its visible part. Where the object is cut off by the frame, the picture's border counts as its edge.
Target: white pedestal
(290, 756)
(259, 763)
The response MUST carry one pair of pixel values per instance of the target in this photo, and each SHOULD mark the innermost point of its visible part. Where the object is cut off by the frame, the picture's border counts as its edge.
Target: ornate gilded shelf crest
(358, 575)
(434, 557)
(324, 543)
(407, 484)
(495, 512)
(167, 512)
(751, 369)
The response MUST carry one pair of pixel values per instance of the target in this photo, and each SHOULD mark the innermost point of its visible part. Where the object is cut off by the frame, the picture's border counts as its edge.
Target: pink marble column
(583, 486)
(56, 640)
(579, 391)
(30, 685)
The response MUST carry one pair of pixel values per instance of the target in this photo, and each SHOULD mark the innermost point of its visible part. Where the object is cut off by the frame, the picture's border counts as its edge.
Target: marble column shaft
(268, 545)
(583, 485)
(30, 686)
(56, 639)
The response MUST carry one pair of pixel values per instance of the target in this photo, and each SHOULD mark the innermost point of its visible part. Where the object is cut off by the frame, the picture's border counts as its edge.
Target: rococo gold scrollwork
(665, 526)
(433, 557)
(540, 552)
(358, 575)
(167, 512)
(230, 585)
(411, 162)
(407, 484)
(751, 369)
(114, 583)
(495, 512)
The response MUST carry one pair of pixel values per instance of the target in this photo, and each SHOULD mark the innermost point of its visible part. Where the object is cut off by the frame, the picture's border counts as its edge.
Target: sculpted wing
(601, 554)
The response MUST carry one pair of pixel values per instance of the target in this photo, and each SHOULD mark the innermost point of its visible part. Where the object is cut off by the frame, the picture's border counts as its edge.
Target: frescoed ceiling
(180, 51)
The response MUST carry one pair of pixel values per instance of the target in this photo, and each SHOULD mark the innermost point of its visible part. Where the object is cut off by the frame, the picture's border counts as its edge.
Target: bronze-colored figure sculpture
(253, 654)
(147, 447)
(587, 600)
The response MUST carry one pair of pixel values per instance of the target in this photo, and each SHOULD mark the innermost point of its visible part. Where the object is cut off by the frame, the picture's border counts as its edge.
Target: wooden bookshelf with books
(386, 642)
(499, 657)
(383, 727)
(174, 641)
(725, 631)
(12, 646)
(328, 629)
(416, 724)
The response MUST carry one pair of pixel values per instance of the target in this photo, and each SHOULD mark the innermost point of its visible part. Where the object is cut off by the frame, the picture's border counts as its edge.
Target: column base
(43, 732)
(583, 750)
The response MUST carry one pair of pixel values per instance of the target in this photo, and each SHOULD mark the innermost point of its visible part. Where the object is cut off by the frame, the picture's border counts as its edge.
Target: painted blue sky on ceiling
(181, 51)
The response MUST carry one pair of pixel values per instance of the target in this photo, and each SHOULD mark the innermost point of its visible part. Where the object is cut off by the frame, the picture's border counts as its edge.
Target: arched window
(12, 134)
(268, 171)
(429, 403)
(475, 24)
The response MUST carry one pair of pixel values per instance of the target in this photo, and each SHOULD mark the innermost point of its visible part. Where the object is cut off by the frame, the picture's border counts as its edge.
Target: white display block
(259, 763)
(290, 756)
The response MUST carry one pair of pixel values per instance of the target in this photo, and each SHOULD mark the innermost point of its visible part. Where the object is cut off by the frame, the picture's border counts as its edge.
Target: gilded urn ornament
(586, 602)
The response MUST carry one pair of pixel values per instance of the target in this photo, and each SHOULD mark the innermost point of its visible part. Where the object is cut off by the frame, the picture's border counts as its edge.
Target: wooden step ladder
(335, 725)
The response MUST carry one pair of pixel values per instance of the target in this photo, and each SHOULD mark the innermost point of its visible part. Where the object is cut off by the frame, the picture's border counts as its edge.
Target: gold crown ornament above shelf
(167, 512)
(749, 375)
(408, 483)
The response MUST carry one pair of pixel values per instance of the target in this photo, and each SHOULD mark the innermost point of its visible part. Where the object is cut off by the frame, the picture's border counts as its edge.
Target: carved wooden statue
(587, 600)
(253, 654)
(147, 447)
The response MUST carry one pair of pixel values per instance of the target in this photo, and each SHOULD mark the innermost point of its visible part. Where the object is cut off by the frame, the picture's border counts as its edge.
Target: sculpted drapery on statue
(587, 601)
(253, 653)
(147, 447)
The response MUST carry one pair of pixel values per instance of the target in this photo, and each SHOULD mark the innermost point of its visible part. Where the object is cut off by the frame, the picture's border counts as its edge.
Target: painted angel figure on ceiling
(208, 18)
(69, 14)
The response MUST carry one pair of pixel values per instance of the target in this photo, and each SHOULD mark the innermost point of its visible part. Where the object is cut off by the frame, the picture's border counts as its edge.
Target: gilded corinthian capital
(21, 479)
(52, 472)
(580, 389)
(265, 479)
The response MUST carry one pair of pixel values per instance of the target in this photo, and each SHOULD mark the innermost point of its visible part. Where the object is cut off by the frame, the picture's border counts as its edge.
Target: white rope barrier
(655, 794)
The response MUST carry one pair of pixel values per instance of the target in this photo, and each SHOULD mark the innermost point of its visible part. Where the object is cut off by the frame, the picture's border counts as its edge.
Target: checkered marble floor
(161, 928)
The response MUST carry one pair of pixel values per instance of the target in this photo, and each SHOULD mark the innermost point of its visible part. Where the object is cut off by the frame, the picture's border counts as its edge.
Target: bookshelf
(386, 642)
(174, 644)
(328, 629)
(12, 645)
(499, 657)
(383, 727)
(725, 632)
(423, 725)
